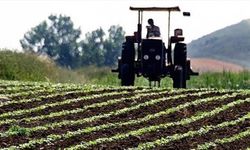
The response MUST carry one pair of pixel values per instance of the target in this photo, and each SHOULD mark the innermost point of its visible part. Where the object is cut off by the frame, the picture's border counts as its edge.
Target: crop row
(48, 90)
(4, 84)
(6, 89)
(43, 91)
(75, 122)
(139, 120)
(56, 93)
(38, 98)
(17, 88)
(79, 110)
(202, 130)
(13, 90)
(23, 92)
(70, 134)
(49, 116)
(50, 105)
(115, 112)
(165, 140)
(233, 138)
(74, 111)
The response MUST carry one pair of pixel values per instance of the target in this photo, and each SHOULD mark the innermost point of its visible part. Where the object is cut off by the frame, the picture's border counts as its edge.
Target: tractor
(150, 58)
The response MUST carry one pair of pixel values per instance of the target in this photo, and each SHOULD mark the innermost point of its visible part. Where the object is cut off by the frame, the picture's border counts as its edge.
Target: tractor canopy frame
(166, 9)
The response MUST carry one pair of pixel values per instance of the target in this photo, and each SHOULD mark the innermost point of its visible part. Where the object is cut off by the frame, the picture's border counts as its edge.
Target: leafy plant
(17, 130)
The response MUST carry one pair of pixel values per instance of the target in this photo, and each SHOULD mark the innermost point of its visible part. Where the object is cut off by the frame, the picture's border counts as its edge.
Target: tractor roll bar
(155, 8)
(140, 14)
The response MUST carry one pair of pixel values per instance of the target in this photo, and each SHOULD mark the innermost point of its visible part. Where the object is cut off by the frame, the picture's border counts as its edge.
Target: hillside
(212, 65)
(69, 116)
(231, 44)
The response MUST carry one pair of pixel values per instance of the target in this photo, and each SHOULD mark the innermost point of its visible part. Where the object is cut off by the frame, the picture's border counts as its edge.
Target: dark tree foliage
(92, 48)
(100, 51)
(57, 38)
(113, 45)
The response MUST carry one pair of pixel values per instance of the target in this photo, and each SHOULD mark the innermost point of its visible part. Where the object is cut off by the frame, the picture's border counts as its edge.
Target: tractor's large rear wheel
(180, 61)
(178, 77)
(127, 75)
(127, 70)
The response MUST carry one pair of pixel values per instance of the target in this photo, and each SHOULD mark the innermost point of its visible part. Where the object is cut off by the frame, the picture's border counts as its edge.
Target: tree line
(60, 40)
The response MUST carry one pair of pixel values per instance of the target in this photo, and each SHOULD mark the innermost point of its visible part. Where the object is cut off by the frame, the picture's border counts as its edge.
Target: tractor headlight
(145, 57)
(157, 57)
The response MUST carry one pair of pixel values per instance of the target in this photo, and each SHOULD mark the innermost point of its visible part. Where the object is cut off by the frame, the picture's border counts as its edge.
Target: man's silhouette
(152, 30)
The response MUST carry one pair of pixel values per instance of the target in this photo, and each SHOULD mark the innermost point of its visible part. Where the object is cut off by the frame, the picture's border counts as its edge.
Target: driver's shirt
(153, 31)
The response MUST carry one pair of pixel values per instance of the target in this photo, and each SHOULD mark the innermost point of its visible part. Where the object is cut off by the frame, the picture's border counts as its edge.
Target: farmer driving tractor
(150, 58)
(152, 30)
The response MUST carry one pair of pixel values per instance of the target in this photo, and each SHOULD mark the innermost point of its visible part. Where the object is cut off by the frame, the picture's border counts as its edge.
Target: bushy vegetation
(223, 80)
(20, 66)
(226, 80)
(30, 67)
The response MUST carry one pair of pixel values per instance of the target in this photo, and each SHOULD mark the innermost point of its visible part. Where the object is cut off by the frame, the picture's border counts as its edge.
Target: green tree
(57, 38)
(93, 48)
(113, 45)
(101, 51)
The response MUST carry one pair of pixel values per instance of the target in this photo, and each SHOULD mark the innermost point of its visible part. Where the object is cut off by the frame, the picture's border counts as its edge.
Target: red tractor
(150, 57)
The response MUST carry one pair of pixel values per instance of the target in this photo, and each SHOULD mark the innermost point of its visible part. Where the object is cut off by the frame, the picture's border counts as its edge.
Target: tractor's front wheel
(127, 75)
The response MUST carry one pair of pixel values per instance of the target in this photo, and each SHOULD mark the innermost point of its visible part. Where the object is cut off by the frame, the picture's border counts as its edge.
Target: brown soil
(96, 111)
(243, 143)
(185, 143)
(44, 93)
(167, 118)
(58, 98)
(72, 106)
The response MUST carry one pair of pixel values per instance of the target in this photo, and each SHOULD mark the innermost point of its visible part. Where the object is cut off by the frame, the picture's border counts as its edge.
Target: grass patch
(223, 80)
(30, 67)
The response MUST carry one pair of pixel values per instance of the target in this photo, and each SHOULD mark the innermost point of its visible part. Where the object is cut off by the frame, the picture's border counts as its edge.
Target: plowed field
(68, 116)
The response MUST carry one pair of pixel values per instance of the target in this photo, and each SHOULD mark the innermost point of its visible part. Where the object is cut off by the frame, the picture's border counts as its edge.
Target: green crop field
(41, 115)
